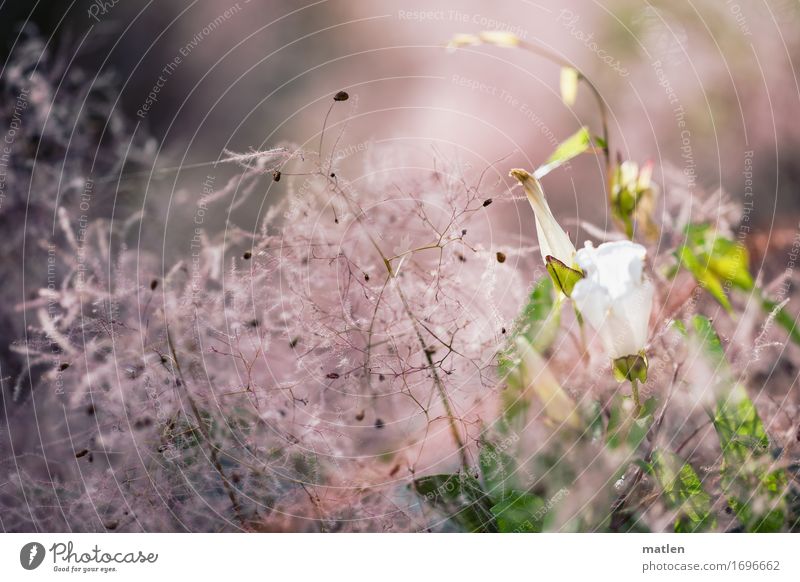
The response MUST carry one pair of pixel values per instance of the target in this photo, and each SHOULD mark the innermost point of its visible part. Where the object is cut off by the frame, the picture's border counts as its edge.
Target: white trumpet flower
(553, 240)
(615, 297)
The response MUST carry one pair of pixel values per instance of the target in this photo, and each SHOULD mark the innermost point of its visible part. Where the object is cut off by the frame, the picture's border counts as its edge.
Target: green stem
(554, 58)
(635, 392)
(584, 345)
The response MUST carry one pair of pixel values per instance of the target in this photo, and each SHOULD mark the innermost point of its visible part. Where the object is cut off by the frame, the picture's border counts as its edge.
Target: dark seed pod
(246, 256)
(153, 284)
(276, 175)
(501, 257)
(341, 96)
(487, 202)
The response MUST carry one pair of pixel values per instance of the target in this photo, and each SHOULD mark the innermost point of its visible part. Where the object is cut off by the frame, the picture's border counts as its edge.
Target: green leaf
(755, 489)
(706, 278)
(519, 512)
(460, 498)
(540, 319)
(600, 142)
(709, 340)
(682, 491)
(730, 260)
(578, 143)
(569, 85)
(533, 332)
(497, 469)
(538, 323)
(564, 277)
(715, 262)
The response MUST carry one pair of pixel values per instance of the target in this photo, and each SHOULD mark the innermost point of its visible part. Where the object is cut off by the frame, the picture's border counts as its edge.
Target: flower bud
(553, 240)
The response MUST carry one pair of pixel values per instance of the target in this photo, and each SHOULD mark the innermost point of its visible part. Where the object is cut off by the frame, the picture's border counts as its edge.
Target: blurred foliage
(718, 264)
(750, 481)
(633, 198)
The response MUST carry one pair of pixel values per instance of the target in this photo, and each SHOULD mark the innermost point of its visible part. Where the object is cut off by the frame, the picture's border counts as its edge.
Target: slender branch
(562, 62)
(440, 388)
(462, 450)
(229, 489)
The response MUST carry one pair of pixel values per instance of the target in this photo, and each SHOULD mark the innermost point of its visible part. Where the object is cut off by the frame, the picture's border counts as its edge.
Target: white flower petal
(553, 241)
(614, 297)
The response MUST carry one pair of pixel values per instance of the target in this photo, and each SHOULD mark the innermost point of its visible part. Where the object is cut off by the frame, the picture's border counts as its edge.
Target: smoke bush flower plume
(359, 323)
